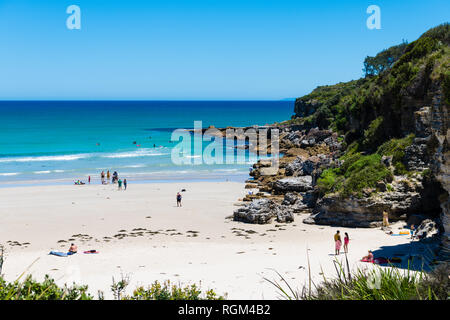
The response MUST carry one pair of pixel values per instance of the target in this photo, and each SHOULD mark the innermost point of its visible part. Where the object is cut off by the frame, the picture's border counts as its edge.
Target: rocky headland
(356, 149)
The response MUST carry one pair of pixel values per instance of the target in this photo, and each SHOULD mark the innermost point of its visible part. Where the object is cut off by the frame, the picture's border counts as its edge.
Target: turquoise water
(58, 142)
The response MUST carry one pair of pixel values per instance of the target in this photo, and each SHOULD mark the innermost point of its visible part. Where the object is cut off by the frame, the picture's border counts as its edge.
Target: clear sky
(196, 49)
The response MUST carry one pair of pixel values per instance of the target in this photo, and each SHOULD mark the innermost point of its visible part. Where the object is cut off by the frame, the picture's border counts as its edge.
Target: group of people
(338, 242)
(115, 179)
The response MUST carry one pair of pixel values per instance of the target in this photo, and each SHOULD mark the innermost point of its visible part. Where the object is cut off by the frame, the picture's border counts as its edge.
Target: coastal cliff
(380, 143)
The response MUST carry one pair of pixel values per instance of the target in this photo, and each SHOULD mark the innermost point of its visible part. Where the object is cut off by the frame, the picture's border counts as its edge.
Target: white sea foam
(134, 154)
(135, 166)
(46, 158)
(72, 157)
(42, 172)
(6, 174)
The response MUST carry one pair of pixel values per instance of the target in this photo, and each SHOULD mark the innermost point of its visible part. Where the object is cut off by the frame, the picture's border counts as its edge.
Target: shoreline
(141, 233)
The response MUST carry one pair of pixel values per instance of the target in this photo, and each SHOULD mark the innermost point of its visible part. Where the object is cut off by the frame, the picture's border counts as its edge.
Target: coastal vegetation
(31, 289)
(373, 113)
(379, 283)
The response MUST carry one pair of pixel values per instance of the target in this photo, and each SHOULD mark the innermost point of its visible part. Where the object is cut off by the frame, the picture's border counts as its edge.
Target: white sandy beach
(230, 257)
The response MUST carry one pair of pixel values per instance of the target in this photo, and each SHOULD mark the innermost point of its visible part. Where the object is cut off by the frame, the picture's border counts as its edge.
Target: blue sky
(173, 49)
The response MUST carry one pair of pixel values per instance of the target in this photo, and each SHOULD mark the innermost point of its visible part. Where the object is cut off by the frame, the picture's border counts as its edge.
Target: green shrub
(364, 173)
(374, 134)
(31, 289)
(329, 181)
(168, 291)
(358, 172)
(396, 149)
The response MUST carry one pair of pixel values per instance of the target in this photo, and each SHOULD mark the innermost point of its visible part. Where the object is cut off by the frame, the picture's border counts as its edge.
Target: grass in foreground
(377, 284)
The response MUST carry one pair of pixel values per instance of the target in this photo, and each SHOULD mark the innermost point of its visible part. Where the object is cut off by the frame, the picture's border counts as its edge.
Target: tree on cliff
(383, 60)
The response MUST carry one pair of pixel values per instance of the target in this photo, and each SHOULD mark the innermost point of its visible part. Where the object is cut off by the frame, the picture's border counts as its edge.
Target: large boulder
(364, 212)
(427, 230)
(293, 184)
(295, 202)
(262, 211)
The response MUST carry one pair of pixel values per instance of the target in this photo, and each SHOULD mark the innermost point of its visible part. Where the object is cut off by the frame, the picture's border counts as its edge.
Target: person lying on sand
(73, 248)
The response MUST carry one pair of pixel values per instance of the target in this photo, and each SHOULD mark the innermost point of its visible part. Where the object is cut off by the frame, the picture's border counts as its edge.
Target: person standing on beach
(385, 219)
(412, 231)
(125, 184)
(338, 242)
(108, 175)
(120, 184)
(179, 199)
(346, 241)
(89, 179)
(102, 175)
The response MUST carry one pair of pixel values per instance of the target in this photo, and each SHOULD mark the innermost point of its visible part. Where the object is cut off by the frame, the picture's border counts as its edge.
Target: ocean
(57, 142)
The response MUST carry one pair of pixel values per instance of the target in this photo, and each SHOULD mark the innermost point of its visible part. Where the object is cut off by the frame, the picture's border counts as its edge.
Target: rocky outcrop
(427, 230)
(262, 211)
(295, 202)
(440, 126)
(298, 184)
(365, 212)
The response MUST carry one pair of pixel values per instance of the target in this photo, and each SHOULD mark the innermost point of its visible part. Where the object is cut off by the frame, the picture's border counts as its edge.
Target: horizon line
(146, 100)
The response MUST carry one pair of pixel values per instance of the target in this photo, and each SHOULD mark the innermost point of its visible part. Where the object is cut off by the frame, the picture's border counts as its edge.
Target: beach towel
(59, 254)
(91, 251)
(399, 234)
(338, 244)
(380, 260)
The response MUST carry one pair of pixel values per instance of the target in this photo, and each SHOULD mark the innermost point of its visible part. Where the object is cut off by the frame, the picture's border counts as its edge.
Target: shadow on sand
(415, 255)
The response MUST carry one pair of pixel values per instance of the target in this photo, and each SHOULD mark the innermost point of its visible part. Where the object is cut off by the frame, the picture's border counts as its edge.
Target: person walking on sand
(125, 184)
(102, 175)
(179, 200)
(346, 241)
(119, 182)
(338, 242)
(108, 176)
(89, 179)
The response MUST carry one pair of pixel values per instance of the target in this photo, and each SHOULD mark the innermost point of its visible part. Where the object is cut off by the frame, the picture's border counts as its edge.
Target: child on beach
(125, 184)
(179, 199)
(120, 184)
(338, 242)
(346, 241)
